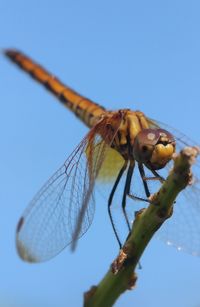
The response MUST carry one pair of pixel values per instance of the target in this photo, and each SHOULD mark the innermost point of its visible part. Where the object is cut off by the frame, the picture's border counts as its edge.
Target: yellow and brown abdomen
(85, 109)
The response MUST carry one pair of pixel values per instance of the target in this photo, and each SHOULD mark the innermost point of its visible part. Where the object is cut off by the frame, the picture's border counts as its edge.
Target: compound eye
(144, 148)
(143, 145)
(153, 147)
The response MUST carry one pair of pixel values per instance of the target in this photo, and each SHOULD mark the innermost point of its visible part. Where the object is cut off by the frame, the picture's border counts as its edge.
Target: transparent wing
(63, 209)
(182, 230)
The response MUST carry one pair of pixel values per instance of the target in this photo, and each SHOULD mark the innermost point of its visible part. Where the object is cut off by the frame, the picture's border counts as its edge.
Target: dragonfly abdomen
(83, 108)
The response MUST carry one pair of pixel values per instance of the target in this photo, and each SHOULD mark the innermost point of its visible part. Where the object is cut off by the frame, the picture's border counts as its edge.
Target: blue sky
(131, 54)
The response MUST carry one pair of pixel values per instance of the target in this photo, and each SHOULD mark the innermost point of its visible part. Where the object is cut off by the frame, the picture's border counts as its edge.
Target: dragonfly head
(154, 147)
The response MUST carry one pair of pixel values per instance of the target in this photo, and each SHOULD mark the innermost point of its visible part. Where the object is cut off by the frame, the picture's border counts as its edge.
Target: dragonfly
(122, 149)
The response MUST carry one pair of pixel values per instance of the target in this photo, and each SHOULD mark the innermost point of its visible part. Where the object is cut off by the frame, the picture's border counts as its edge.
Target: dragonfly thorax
(135, 140)
(131, 123)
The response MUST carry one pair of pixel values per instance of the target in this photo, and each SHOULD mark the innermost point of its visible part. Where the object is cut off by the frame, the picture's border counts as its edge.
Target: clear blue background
(123, 54)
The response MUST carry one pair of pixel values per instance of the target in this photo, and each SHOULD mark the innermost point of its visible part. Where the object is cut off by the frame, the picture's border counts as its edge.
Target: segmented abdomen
(85, 109)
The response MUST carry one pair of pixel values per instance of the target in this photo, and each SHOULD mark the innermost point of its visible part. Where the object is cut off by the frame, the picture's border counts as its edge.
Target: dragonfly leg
(127, 191)
(142, 174)
(111, 198)
(138, 198)
(157, 176)
(144, 180)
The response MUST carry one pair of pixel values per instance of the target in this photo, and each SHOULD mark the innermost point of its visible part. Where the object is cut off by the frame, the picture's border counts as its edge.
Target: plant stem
(121, 276)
